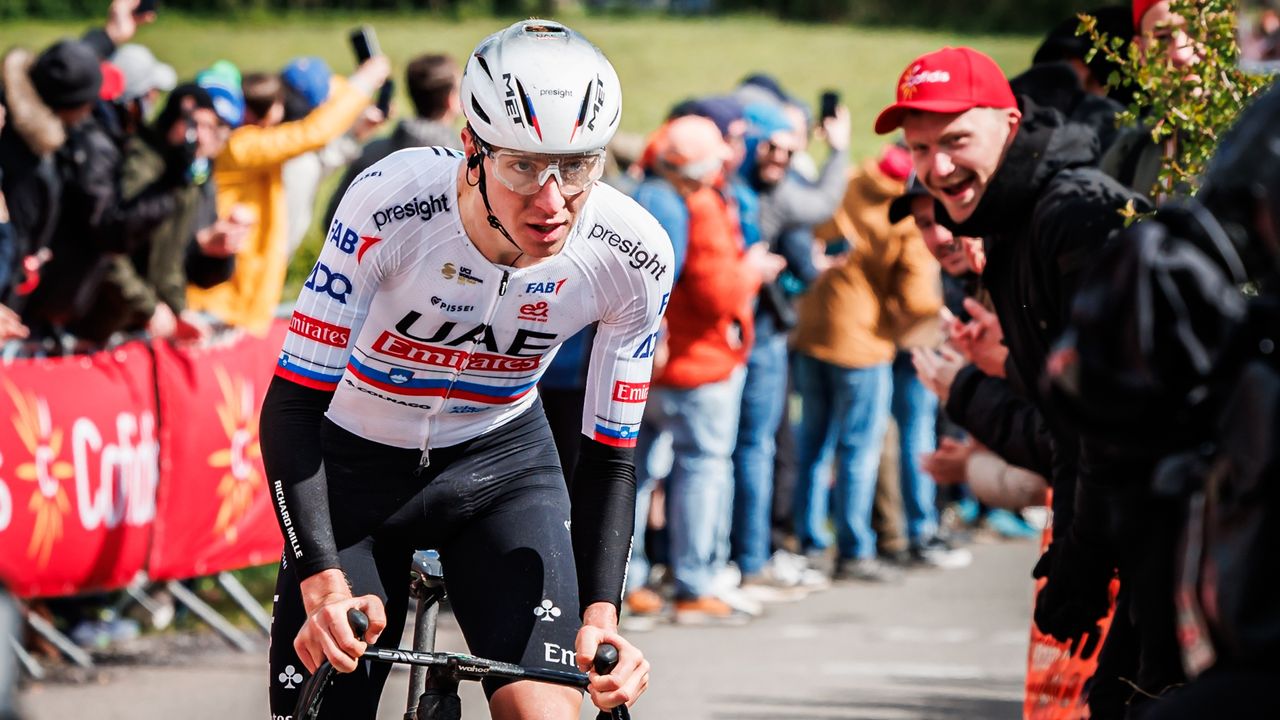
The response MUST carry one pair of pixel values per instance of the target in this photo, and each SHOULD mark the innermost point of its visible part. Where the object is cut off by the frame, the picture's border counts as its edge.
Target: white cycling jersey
(427, 344)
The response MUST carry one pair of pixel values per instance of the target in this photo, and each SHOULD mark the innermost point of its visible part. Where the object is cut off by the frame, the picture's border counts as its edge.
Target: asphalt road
(942, 645)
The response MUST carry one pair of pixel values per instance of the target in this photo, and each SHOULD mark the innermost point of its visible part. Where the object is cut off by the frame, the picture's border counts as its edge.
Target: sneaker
(767, 589)
(795, 570)
(735, 598)
(643, 601)
(938, 553)
(708, 610)
(1010, 525)
(867, 570)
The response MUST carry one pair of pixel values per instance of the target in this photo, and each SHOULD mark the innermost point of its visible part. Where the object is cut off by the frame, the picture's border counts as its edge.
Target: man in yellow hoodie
(248, 174)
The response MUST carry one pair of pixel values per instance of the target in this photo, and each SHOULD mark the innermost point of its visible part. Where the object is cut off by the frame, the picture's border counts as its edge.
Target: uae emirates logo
(241, 480)
(49, 501)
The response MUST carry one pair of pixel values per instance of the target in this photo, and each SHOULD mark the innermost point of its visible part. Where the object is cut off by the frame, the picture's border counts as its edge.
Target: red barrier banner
(77, 470)
(213, 509)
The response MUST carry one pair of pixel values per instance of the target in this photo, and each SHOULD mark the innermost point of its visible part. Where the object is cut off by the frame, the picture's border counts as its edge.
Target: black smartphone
(146, 6)
(365, 43)
(830, 100)
(385, 94)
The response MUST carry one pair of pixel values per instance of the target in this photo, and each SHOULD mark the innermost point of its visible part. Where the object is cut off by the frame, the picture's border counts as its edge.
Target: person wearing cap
(1134, 159)
(709, 333)
(432, 84)
(248, 173)
(146, 289)
(1025, 181)
(145, 79)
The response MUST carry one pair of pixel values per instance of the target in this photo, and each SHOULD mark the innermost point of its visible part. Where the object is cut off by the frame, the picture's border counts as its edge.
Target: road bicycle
(434, 676)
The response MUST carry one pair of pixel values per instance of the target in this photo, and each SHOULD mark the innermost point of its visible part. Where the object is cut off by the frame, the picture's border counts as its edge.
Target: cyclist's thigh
(511, 573)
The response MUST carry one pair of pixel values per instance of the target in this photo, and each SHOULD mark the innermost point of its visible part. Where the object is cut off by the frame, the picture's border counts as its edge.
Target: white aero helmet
(538, 86)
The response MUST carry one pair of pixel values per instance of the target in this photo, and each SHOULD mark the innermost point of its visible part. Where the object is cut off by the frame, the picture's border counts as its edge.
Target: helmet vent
(544, 30)
(484, 65)
(480, 111)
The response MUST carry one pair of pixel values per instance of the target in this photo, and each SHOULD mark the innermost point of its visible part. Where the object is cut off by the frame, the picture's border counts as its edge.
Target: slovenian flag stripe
(439, 387)
(307, 378)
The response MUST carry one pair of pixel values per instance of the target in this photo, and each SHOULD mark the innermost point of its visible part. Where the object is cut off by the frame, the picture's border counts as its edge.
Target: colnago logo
(630, 392)
(550, 287)
(637, 256)
(423, 209)
(388, 398)
(916, 76)
(319, 330)
(404, 349)
(511, 101)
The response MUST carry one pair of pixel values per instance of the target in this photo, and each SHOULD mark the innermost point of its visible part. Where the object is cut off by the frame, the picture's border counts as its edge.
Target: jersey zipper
(425, 461)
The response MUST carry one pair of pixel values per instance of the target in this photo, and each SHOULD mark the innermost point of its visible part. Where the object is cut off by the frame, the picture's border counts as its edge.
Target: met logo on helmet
(511, 102)
(599, 103)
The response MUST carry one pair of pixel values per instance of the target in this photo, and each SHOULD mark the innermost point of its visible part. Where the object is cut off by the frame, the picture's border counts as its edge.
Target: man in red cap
(1023, 179)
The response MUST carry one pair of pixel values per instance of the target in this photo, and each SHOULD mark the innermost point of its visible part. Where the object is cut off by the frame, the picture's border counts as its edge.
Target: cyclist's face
(540, 221)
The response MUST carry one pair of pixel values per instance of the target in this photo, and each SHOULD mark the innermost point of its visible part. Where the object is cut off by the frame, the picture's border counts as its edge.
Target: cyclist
(403, 413)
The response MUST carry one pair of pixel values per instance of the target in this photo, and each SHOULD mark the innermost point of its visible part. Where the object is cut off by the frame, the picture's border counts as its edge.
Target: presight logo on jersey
(424, 210)
(319, 330)
(550, 287)
(637, 256)
(630, 392)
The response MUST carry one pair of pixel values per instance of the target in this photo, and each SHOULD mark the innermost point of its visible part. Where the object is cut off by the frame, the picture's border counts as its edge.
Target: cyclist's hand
(629, 679)
(327, 633)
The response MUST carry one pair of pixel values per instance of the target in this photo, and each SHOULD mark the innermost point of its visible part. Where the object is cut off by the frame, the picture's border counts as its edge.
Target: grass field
(660, 61)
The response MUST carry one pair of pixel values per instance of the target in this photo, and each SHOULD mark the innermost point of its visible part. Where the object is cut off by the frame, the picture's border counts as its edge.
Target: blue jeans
(847, 409)
(915, 410)
(764, 399)
(702, 424)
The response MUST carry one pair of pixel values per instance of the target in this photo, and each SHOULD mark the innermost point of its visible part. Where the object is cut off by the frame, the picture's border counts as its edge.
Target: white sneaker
(793, 570)
(740, 601)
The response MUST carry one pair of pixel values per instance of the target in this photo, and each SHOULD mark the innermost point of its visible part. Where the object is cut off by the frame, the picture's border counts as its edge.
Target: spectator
(305, 85)
(1134, 159)
(845, 348)
(147, 289)
(789, 206)
(145, 80)
(248, 172)
(432, 84)
(709, 334)
(1026, 183)
(93, 221)
(992, 480)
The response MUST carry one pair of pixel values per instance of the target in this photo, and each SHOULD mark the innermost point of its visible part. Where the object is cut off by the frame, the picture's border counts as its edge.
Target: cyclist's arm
(326, 321)
(604, 488)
